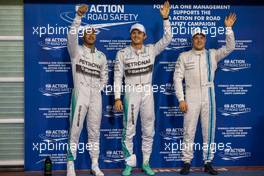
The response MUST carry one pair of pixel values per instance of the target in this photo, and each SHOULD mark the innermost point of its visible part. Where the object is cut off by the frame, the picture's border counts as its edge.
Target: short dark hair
(199, 34)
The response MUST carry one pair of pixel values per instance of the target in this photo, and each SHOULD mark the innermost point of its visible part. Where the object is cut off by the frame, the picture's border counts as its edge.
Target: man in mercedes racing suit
(197, 67)
(135, 64)
(90, 75)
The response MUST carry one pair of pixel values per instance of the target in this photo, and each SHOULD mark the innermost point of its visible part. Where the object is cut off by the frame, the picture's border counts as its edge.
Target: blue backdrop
(48, 83)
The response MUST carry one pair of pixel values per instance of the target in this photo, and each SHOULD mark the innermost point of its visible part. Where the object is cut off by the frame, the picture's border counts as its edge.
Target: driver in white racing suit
(197, 67)
(90, 75)
(135, 64)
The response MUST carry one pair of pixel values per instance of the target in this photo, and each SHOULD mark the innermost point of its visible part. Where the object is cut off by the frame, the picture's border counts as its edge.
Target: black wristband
(166, 18)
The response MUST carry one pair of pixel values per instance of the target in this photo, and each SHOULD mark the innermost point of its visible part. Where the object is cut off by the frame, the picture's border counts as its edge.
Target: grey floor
(225, 173)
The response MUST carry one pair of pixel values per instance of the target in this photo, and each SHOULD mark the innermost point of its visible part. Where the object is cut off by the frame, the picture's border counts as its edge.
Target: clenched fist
(82, 10)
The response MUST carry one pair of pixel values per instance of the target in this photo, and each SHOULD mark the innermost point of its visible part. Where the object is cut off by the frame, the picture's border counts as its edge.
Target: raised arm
(167, 36)
(230, 38)
(72, 38)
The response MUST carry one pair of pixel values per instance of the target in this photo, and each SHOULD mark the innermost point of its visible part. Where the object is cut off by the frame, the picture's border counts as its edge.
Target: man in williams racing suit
(135, 64)
(197, 67)
(90, 75)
